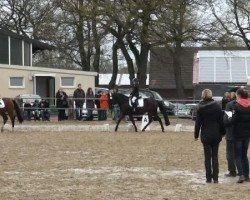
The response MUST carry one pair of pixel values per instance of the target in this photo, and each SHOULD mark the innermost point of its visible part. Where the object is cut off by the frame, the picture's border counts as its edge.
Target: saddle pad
(2, 105)
(140, 102)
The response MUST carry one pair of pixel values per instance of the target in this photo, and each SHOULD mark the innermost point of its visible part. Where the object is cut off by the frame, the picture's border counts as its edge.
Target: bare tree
(233, 16)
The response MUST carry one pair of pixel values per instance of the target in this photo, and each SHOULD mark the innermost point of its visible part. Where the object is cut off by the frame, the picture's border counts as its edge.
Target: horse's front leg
(2, 128)
(5, 118)
(133, 121)
(159, 120)
(119, 120)
(150, 119)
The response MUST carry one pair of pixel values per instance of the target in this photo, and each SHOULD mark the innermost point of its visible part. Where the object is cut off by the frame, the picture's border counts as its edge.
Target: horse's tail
(164, 113)
(18, 111)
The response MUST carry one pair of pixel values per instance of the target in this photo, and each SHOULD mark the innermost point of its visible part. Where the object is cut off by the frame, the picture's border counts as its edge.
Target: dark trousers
(230, 156)
(78, 111)
(61, 114)
(242, 163)
(211, 161)
(103, 114)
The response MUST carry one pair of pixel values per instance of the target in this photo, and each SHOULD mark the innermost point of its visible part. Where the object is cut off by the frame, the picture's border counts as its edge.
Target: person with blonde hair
(209, 126)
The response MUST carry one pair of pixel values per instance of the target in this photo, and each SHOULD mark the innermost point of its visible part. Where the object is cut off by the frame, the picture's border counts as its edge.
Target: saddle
(2, 105)
(140, 102)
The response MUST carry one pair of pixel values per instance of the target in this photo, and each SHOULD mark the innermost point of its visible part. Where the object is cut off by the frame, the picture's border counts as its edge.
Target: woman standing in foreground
(210, 122)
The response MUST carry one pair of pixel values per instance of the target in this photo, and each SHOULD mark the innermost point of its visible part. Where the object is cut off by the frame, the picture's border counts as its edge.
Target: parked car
(187, 111)
(170, 107)
(178, 107)
(23, 98)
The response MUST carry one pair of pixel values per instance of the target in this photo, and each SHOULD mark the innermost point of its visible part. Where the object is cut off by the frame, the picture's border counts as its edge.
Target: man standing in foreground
(79, 97)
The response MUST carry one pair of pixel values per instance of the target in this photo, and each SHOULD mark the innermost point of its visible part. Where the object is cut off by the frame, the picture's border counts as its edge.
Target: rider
(134, 95)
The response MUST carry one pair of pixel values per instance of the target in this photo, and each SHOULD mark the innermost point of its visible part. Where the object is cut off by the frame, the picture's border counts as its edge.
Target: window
(4, 50)
(67, 81)
(16, 82)
(26, 54)
(16, 51)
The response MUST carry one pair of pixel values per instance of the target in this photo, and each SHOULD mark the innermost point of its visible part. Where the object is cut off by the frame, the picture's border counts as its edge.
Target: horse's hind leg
(5, 118)
(12, 118)
(159, 120)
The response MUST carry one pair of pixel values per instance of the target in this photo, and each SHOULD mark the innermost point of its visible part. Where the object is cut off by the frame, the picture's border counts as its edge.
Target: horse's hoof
(143, 130)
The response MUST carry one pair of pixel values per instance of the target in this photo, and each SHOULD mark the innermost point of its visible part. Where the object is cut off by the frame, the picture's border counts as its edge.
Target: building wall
(87, 79)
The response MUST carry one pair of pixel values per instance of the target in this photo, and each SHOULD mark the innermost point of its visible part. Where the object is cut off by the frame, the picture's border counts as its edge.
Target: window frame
(23, 82)
(67, 86)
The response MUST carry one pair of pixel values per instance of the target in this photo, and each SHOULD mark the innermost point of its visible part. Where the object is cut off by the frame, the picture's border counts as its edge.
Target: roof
(36, 44)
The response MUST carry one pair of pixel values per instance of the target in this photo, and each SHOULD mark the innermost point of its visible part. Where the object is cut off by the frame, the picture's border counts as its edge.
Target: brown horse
(12, 109)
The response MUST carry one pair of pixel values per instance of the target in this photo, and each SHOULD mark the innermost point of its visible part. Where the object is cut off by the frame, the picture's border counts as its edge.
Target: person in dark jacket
(79, 96)
(45, 112)
(36, 110)
(240, 121)
(230, 144)
(97, 103)
(90, 103)
(134, 95)
(116, 108)
(226, 99)
(27, 110)
(210, 121)
(61, 104)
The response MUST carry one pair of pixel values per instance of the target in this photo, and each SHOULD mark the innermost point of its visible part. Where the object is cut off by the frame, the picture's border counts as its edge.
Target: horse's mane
(121, 98)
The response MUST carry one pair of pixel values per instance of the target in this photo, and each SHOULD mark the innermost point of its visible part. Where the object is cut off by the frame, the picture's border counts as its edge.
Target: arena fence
(176, 109)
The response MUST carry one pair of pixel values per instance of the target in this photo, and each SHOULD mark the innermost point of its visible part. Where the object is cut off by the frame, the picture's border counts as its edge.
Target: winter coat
(241, 119)
(104, 102)
(90, 103)
(210, 121)
(97, 100)
(61, 100)
(224, 103)
(135, 92)
(228, 126)
(79, 93)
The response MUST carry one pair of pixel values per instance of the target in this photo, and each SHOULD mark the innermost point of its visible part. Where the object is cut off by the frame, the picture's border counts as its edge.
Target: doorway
(45, 87)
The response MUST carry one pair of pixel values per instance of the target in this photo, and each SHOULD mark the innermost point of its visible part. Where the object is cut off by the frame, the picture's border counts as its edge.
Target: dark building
(162, 72)
(211, 71)
(16, 49)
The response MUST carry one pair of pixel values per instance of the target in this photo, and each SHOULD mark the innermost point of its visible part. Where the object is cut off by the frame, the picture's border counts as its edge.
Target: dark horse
(150, 107)
(11, 108)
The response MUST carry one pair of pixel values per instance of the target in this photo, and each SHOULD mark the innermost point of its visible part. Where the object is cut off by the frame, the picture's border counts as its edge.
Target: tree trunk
(96, 62)
(177, 63)
(142, 65)
(112, 82)
(80, 38)
(128, 59)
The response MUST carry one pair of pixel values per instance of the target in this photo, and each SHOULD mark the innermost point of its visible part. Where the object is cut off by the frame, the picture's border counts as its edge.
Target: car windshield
(157, 95)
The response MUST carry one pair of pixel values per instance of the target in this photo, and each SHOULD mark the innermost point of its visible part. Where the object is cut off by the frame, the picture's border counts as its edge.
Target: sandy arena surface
(123, 165)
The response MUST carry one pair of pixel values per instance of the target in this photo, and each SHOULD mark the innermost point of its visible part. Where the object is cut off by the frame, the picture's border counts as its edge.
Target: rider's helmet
(135, 82)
